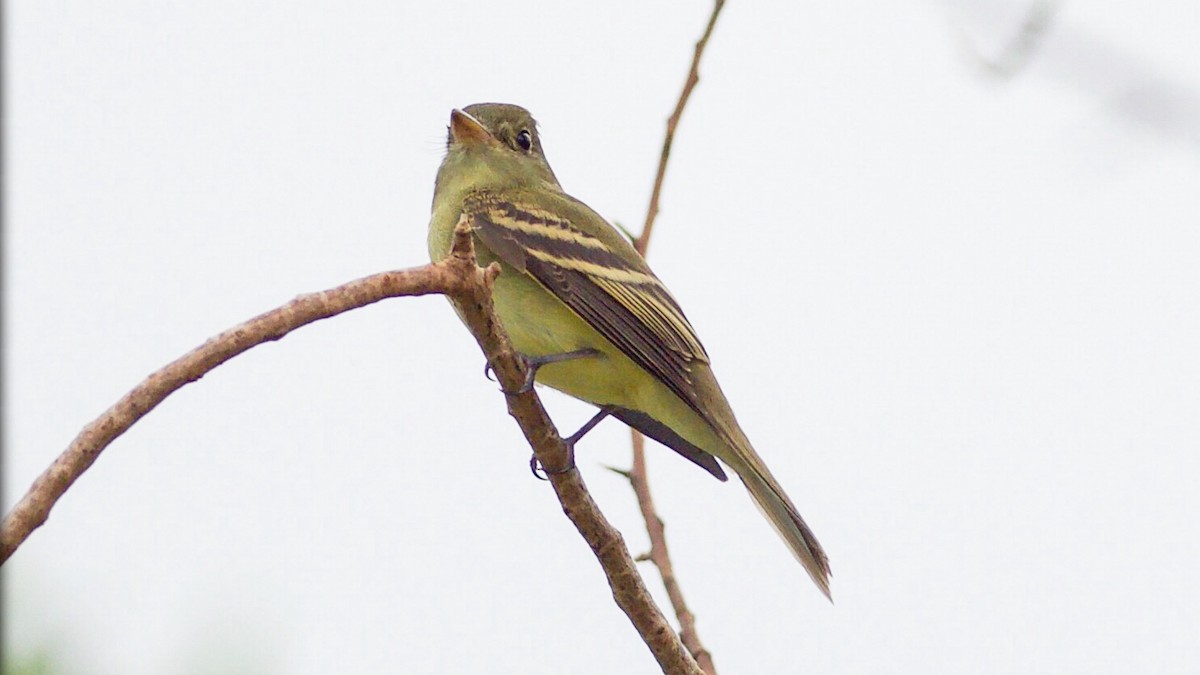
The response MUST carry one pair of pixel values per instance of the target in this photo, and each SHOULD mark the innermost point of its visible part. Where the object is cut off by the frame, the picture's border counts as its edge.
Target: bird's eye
(525, 140)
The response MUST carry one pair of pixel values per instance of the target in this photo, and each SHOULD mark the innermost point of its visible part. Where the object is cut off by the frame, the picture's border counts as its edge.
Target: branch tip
(463, 248)
(620, 472)
(490, 273)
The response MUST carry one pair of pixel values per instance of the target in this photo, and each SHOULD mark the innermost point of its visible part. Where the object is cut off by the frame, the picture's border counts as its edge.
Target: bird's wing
(616, 294)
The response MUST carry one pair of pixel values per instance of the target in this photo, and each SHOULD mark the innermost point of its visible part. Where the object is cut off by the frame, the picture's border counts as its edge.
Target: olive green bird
(580, 303)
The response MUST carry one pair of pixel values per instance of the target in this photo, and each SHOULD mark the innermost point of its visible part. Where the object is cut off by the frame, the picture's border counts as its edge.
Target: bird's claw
(542, 473)
(535, 467)
(527, 384)
(569, 442)
(533, 363)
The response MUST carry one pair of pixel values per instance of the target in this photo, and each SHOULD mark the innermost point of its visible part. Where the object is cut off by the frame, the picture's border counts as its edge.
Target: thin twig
(693, 77)
(637, 475)
(661, 558)
(459, 277)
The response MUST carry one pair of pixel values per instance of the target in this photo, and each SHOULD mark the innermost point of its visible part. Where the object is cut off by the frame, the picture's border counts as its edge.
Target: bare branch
(693, 77)
(34, 508)
(457, 276)
(662, 559)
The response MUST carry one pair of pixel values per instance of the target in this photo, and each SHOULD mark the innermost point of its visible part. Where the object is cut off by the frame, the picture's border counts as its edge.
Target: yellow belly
(539, 324)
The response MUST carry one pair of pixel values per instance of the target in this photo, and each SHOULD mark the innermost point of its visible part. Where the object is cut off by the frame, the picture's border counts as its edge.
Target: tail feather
(737, 452)
(778, 509)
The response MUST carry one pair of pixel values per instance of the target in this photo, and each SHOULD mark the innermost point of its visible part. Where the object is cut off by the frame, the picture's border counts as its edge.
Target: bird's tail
(782, 514)
(735, 450)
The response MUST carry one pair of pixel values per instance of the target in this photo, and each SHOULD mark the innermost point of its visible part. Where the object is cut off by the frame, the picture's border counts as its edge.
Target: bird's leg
(533, 363)
(570, 442)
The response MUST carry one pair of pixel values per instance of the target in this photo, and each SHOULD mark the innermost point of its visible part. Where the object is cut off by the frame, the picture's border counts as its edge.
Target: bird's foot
(533, 363)
(535, 466)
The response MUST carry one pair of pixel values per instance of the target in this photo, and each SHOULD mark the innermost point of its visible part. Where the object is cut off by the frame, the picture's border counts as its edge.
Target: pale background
(958, 316)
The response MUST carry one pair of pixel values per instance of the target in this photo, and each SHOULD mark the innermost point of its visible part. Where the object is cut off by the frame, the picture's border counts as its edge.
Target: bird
(584, 309)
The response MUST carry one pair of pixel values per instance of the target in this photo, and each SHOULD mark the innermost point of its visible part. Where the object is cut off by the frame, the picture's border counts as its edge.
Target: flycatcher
(581, 304)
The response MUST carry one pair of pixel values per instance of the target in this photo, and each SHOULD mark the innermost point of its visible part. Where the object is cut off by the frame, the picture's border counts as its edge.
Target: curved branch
(457, 276)
(34, 508)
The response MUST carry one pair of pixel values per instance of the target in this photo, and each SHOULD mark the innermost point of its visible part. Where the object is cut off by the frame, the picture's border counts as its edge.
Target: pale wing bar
(628, 306)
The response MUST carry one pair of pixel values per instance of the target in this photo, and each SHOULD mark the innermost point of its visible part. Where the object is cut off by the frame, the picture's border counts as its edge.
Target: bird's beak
(466, 130)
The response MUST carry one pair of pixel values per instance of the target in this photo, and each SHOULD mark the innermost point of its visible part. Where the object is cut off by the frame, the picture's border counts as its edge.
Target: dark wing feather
(663, 434)
(620, 298)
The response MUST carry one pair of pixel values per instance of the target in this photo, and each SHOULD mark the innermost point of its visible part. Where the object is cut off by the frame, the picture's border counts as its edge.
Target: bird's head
(494, 145)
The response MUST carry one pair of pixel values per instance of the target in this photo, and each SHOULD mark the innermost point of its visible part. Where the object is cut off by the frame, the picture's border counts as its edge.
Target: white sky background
(957, 316)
